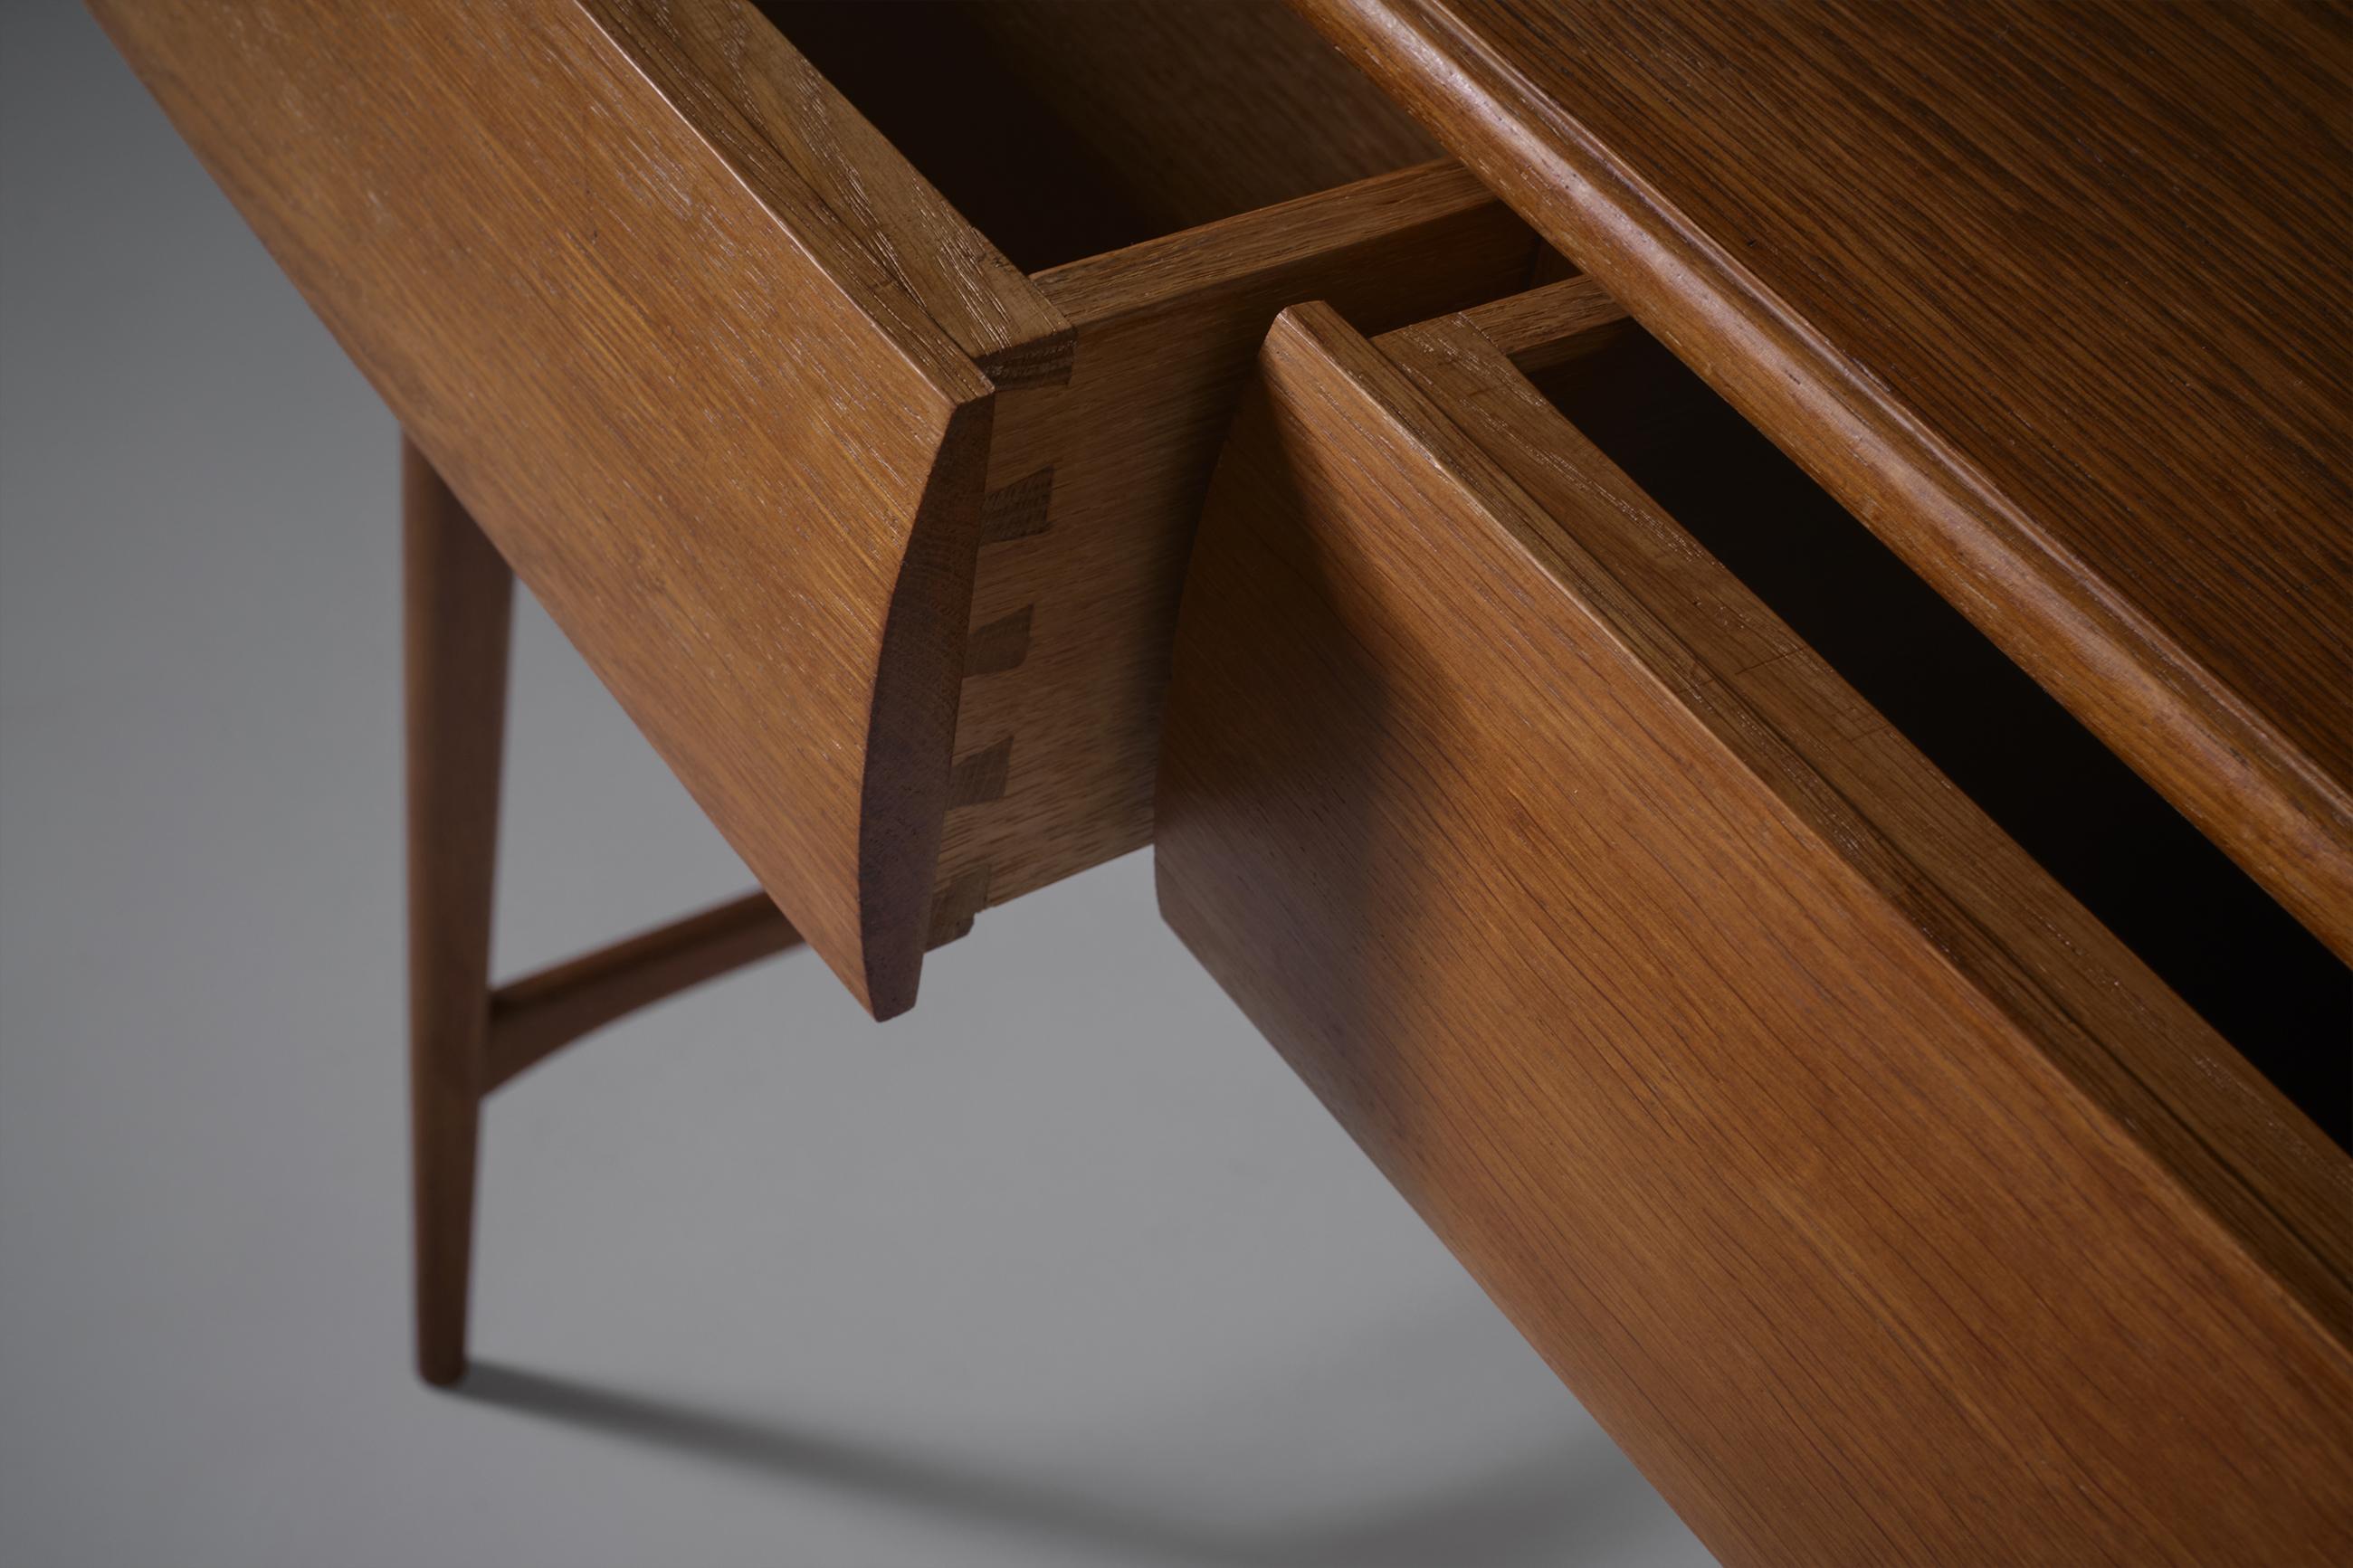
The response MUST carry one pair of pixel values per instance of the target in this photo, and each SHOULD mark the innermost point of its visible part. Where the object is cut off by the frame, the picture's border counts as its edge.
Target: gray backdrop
(1066, 1267)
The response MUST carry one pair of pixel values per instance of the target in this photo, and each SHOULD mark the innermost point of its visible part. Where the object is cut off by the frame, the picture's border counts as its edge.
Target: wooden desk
(1813, 1021)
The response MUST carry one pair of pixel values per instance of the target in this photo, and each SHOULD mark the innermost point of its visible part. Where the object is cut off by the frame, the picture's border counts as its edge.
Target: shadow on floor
(1552, 1504)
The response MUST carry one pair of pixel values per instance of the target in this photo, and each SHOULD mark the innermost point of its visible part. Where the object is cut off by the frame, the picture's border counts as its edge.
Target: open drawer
(875, 532)
(1881, 1200)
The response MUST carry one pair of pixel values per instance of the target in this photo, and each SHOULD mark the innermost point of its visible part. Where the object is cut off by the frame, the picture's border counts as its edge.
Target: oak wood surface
(2136, 866)
(1542, 329)
(729, 53)
(456, 609)
(2220, 1124)
(2053, 297)
(1881, 1205)
(1096, 485)
(736, 460)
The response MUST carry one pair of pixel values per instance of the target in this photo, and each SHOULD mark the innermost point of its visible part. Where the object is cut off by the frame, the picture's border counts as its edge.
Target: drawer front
(879, 540)
(1879, 1202)
(573, 246)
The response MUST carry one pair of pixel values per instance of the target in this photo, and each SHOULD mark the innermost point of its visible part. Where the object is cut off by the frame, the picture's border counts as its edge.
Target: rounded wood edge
(911, 727)
(2245, 784)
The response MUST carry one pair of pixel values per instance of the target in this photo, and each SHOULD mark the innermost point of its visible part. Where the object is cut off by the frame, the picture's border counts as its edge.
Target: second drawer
(1856, 1176)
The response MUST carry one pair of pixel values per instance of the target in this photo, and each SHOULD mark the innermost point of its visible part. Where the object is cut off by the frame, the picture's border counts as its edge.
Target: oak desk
(1760, 699)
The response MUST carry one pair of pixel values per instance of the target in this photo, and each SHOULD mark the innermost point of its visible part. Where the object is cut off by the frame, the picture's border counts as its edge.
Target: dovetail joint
(1016, 510)
(979, 777)
(1000, 646)
(957, 905)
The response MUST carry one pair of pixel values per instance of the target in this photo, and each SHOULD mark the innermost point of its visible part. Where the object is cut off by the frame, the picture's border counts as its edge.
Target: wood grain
(2220, 1125)
(2136, 865)
(1878, 1201)
(736, 460)
(2051, 297)
(456, 608)
(1557, 324)
(1075, 601)
(746, 72)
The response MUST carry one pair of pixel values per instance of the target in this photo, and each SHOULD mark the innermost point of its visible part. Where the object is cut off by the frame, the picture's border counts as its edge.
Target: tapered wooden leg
(459, 599)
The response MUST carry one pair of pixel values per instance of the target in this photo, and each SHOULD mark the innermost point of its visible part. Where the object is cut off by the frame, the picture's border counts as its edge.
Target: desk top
(2052, 298)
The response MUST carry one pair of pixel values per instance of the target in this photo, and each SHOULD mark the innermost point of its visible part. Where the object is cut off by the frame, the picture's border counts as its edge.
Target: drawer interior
(1062, 129)
(2204, 925)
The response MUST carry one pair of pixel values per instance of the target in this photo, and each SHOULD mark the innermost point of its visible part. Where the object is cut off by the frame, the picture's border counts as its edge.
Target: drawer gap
(2202, 923)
